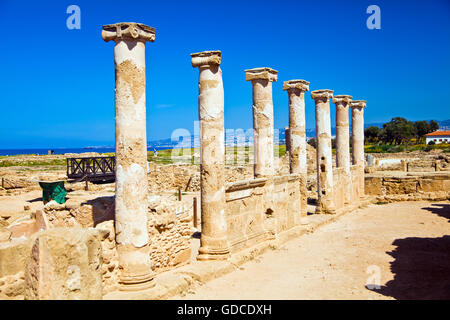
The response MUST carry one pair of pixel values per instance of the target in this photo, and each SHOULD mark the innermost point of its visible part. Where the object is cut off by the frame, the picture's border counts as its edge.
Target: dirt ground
(404, 248)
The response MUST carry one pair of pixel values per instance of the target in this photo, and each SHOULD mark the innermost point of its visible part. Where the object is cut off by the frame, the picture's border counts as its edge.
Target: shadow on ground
(422, 265)
(440, 209)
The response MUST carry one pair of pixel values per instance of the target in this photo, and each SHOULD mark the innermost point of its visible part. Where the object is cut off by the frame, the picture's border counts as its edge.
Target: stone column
(325, 202)
(298, 155)
(262, 79)
(131, 202)
(214, 241)
(342, 103)
(358, 138)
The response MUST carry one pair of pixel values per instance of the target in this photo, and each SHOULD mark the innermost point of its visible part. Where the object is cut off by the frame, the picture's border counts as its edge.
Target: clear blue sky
(57, 85)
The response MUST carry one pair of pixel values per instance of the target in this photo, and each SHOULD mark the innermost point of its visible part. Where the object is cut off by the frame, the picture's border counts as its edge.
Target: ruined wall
(173, 176)
(340, 183)
(245, 211)
(170, 230)
(286, 201)
(169, 227)
(425, 186)
(260, 209)
(411, 162)
(13, 256)
(356, 176)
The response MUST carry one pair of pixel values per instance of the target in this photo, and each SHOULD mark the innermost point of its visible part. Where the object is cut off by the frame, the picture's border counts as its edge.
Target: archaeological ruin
(133, 245)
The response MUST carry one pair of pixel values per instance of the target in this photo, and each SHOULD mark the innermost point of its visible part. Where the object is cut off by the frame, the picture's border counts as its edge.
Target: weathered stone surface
(213, 242)
(297, 135)
(342, 103)
(262, 79)
(374, 185)
(324, 158)
(131, 152)
(13, 256)
(5, 234)
(65, 264)
(358, 136)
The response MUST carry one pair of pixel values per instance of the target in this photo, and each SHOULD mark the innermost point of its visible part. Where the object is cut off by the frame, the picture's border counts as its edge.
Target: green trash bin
(53, 190)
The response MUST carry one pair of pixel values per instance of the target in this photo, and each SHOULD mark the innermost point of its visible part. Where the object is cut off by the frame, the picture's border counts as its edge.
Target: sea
(13, 152)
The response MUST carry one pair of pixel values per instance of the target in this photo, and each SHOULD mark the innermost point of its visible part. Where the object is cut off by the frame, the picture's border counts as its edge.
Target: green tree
(372, 133)
(422, 128)
(397, 131)
(434, 126)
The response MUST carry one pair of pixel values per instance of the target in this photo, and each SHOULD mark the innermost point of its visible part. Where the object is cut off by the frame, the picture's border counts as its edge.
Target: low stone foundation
(169, 227)
(409, 186)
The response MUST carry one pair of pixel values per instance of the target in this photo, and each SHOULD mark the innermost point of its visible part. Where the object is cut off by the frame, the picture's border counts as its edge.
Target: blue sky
(57, 85)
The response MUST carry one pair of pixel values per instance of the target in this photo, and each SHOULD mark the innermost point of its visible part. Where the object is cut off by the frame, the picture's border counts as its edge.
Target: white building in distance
(438, 137)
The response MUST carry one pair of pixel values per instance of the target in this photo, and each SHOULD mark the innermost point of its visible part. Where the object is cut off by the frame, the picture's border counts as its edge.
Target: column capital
(261, 74)
(322, 94)
(128, 30)
(358, 104)
(206, 58)
(302, 85)
(342, 98)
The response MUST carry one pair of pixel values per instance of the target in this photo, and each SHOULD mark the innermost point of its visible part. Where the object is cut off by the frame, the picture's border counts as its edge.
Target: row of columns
(131, 205)
(324, 155)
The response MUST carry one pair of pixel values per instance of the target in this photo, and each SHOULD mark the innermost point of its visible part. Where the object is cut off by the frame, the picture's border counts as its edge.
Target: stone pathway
(404, 247)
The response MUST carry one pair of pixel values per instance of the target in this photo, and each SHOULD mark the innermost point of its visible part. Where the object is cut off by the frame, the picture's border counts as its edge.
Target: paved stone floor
(402, 247)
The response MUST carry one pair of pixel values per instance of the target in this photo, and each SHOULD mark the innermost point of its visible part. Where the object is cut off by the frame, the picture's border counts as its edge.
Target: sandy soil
(406, 246)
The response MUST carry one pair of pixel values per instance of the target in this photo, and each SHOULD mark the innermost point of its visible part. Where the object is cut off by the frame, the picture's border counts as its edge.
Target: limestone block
(400, 186)
(13, 256)
(374, 185)
(430, 185)
(64, 264)
(5, 234)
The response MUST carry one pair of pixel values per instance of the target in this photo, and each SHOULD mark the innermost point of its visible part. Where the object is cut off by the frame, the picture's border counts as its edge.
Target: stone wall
(13, 256)
(245, 211)
(286, 201)
(356, 176)
(340, 183)
(169, 227)
(260, 209)
(170, 230)
(411, 186)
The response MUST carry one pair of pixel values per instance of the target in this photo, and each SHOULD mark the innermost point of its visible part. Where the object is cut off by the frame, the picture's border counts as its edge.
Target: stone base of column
(134, 264)
(213, 249)
(136, 283)
(321, 209)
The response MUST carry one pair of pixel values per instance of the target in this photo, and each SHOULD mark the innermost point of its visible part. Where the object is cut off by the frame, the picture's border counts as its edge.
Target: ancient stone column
(298, 156)
(342, 103)
(262, 79)
(131, 203)
(325, 203)
(214, 241)
(358, 138)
